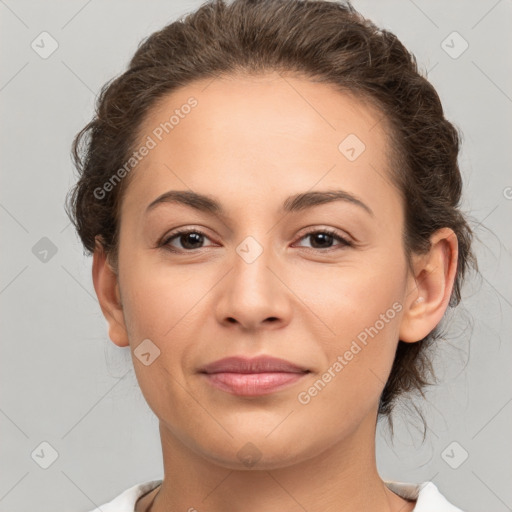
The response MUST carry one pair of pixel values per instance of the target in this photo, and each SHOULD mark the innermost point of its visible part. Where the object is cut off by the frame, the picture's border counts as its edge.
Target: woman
(270, 193)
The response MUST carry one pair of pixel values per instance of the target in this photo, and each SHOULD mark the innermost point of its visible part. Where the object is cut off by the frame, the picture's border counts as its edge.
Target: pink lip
(252, 377)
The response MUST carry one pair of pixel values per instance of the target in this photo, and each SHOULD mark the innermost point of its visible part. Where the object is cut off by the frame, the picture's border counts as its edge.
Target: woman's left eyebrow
(305, 200)
(295, 203)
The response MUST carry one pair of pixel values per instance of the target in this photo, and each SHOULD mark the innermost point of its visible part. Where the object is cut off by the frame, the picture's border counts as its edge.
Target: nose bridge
(252, 293)
(251, 276)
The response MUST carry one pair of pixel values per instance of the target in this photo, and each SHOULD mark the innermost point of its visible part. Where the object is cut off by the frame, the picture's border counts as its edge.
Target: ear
(106, 284)
(430, 286)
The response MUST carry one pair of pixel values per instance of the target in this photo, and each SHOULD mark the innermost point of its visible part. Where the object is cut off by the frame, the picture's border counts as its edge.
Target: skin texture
(251, 142)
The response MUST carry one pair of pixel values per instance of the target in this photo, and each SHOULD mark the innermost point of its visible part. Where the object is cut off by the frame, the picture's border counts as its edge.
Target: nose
(254, 295)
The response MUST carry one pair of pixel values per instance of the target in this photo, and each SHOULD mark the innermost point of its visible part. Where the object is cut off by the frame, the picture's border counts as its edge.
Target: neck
(342, 478)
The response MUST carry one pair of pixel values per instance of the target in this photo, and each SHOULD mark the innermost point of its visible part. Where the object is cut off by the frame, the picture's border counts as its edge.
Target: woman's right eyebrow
(295, 203)
(197, 201)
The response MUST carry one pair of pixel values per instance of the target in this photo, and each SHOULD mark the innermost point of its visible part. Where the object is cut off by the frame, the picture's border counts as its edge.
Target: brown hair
(324, 41)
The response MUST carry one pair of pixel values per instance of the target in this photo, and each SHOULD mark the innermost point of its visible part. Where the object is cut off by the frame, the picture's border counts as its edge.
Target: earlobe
(106, 285)
(430, 286)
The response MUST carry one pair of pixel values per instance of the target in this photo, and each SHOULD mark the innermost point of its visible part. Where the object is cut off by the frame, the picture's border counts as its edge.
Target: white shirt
(427, 496)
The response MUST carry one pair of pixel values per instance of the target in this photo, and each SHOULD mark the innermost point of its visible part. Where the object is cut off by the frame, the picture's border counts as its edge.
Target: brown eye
(188, 240)
(323, 239)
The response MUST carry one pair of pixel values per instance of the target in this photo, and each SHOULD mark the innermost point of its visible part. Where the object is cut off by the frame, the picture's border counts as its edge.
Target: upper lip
(261, 364)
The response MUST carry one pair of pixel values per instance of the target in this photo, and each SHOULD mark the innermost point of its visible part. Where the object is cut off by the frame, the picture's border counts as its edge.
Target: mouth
(252, 377)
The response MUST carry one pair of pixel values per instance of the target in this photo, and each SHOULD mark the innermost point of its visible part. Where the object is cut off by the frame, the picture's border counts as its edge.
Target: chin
(250, 459)
(259, 452)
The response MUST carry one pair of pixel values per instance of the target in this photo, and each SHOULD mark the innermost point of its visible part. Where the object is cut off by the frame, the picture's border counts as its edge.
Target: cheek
(159, 299)
(162, 305)
(359, 362)
(352, 298)
(362, 308)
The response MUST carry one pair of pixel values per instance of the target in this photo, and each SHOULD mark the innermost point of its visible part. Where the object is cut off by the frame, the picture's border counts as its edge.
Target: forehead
(273, 131)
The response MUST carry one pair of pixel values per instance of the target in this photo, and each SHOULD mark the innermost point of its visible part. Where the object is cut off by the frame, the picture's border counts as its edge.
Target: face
(262, 269)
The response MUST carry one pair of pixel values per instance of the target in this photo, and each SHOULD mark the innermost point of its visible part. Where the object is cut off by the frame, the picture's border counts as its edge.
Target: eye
(189, 239)
(323, 239)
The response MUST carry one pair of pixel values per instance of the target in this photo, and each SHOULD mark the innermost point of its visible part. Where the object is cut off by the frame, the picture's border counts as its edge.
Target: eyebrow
(295, 203)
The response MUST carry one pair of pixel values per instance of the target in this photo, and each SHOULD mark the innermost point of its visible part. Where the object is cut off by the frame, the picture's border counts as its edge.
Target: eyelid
(315, 228)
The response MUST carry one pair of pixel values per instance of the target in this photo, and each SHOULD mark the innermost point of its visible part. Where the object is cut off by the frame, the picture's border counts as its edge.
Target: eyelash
(164, 243)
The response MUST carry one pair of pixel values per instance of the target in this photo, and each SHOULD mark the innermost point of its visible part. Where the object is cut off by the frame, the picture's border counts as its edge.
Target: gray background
(64, 383)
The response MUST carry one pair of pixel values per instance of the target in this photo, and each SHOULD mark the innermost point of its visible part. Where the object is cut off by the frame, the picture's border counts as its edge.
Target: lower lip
(253, 384)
